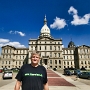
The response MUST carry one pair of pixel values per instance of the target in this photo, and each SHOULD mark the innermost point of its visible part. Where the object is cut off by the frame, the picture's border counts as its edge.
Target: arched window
(85, 62)
(55, 61)
(67, 63)
(64, 63)
(16, 62)
(81, 62)
(59, 61)
(71, 63)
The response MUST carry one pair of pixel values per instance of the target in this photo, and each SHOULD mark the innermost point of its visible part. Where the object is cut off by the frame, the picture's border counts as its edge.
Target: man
(32, 76)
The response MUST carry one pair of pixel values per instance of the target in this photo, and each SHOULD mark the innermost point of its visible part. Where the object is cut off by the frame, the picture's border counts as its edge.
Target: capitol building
(53, 54)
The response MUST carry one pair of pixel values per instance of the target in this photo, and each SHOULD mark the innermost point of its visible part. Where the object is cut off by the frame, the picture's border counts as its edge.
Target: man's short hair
(35, 52)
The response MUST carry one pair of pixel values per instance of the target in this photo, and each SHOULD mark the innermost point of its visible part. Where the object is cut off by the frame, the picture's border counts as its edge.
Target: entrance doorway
(45, 61)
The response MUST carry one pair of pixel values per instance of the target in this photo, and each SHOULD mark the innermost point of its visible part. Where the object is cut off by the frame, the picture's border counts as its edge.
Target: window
(64, 57)
(70, 52)
(16, 57)
(45, 53)
(55, 54)
(58, 54)
(58, 47)
(55, 61)
(58, 42)
(10, 50)
(50, 47)
(67, 63)
(23, 57)
(50, 61)
(85, 66)
(70, 57)
(6, 62)
(71, 63)
(16, 62)
(59, 66)
(4, 50)
(88, 62)
(9, 62)
(20, 57)
(55, 66)
(55, 47)
(81, 62)
(64, 63)
(85, 62)
(40, 47)
(59, 61)
(50, 54)
(31, 47)
(19, 63)
(45, 47)
(81, 56)
(67, 51)
(3, 56)
(7, 50)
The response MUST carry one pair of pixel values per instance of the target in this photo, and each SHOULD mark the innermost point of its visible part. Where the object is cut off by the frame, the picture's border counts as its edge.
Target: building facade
(12, 57)
(53, 54)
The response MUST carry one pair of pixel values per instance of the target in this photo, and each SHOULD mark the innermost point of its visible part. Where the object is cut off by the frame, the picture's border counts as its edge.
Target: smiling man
(32, 76)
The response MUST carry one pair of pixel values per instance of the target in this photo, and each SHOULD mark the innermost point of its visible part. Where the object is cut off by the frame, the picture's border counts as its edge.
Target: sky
(22, 20)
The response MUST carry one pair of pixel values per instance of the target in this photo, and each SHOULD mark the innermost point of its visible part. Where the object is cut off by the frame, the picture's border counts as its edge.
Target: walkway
(56, 81)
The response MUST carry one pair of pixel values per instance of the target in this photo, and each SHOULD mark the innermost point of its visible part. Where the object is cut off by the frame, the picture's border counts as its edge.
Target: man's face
(35, 58)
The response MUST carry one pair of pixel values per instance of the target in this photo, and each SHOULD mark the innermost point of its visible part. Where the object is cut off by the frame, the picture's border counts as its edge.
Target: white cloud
(72, 10)
(15, 44)
(21, 34)
(77, 20)
(58, 23)
(4, 42)
(17, 32)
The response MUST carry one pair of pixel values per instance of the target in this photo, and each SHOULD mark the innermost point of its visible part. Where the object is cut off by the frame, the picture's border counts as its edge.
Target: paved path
(56, 81)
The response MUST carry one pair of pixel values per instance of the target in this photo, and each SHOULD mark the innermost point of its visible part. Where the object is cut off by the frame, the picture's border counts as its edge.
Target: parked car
(55, 69)
(1, 70)
(84, 75)
(68, 72)
(7, 74)
(77, 72)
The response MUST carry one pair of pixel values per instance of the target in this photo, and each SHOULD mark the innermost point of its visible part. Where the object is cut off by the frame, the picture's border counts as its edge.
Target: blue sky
(21, 20)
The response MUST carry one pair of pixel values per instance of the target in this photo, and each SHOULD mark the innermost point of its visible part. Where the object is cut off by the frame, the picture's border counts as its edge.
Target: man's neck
(34, 65)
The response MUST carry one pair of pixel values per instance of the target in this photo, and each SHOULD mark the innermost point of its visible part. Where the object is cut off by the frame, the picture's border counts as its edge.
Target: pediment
(8, 46)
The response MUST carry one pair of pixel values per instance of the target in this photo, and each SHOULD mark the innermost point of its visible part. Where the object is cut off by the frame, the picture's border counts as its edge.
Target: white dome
(45, 29)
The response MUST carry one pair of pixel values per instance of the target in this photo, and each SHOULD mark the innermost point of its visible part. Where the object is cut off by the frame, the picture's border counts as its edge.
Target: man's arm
(17, 85)
(46, 87)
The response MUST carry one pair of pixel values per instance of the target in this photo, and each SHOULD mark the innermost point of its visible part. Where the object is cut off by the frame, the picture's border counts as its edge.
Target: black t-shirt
(32, 78)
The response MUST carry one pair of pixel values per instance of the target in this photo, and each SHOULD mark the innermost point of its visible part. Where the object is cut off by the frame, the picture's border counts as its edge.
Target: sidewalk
(78, 85)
